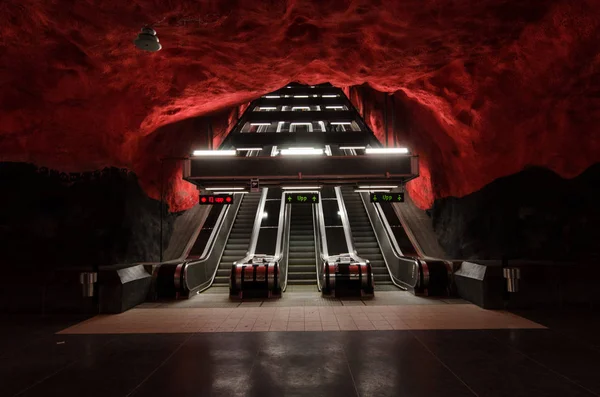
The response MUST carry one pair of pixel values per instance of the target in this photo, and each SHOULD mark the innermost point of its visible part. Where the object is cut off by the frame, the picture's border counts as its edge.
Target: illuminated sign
(387, 197)
(301, 198)
(215, 199)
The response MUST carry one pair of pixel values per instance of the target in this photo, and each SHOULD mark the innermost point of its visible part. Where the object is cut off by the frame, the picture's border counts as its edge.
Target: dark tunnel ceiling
(485, 88)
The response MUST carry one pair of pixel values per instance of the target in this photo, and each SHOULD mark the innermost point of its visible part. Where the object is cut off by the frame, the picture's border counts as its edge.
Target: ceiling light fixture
(147, 41)
(224, 188)
(213, 153)
(300, 151)
(378, 187)
(300, 187)
(394, 150)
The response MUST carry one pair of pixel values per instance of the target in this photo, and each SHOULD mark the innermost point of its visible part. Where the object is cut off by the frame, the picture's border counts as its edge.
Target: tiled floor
(561, 361)
(304, 318)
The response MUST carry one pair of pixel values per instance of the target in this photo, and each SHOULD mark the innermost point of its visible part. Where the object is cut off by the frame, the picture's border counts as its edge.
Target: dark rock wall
(534, 214)
(55, 220)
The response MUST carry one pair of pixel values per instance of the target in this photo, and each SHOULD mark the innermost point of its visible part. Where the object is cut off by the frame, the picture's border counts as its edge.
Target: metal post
(392, 100)
(162, 194)
(210, 134)
(385, 122)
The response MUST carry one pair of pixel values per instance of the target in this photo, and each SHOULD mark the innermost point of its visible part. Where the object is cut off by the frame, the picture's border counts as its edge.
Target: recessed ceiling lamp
(147, 41)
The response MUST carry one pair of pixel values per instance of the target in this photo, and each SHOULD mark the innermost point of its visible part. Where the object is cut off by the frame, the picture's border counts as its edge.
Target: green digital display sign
(301, 198)
(387, 197)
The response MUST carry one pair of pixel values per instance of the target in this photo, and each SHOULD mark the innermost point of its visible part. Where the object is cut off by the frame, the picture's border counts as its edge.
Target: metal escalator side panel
(248, 207)
(282, 249)
(256, 227)
(346, 224)
(197, 275)
(403, 271)
(317, 250)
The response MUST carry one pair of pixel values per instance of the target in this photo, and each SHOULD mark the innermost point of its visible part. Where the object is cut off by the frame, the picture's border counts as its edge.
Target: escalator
(301, 247)
(364, 239)
(239, 238)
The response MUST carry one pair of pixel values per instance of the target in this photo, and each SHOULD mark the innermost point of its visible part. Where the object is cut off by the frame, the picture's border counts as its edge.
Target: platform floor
(214, 351)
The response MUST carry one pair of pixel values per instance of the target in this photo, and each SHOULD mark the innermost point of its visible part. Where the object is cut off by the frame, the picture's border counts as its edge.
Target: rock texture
(486, 88)
(534, 214)
(51, 220)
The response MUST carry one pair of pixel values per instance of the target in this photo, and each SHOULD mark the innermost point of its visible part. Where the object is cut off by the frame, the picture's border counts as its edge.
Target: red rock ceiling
(481, 88)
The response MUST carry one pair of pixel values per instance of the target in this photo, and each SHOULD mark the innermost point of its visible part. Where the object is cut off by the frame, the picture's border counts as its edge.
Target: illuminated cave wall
(481, 89)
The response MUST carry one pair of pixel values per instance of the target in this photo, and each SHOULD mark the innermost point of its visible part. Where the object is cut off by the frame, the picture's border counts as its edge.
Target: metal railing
(322, 252)
(255, 229)
(403, 270)
(283, 237)
(207, 259)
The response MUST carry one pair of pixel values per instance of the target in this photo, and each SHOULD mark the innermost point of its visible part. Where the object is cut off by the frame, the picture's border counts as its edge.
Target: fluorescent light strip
(300, 96)
(402, 150)
(300, 107)
(266, 124)
(213, 153)
(272, 96)
(378, 187)
(330, 96)
(334, 107)
(301, 187)
(224, 188)
(352, 147)
(248, 149)
(341, 123)
(268, 108)
(298, 151)
(371, 190)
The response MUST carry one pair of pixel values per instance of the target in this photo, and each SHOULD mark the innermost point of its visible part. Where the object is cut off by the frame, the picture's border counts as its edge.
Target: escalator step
(303, 260)
(232, 258)
(301, 237)
(245, 241)
(367, 247)
(303, 282)
(302, 275)
(302, 268)
(302, 248)
(230, 246)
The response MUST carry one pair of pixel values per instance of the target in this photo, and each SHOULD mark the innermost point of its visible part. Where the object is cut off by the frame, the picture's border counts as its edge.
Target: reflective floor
(562, 360)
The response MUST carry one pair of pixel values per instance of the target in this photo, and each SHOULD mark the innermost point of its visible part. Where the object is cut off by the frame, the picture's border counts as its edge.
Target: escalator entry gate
(255, 280)
(344, 277)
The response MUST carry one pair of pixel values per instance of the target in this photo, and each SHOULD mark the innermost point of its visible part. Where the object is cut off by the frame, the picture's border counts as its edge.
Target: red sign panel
(215, 199)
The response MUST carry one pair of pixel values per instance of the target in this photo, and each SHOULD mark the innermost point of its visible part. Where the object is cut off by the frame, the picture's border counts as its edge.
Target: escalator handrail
(283, 235)
(212, 239)
(321, 250)
(346, 225)
(255, 229)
